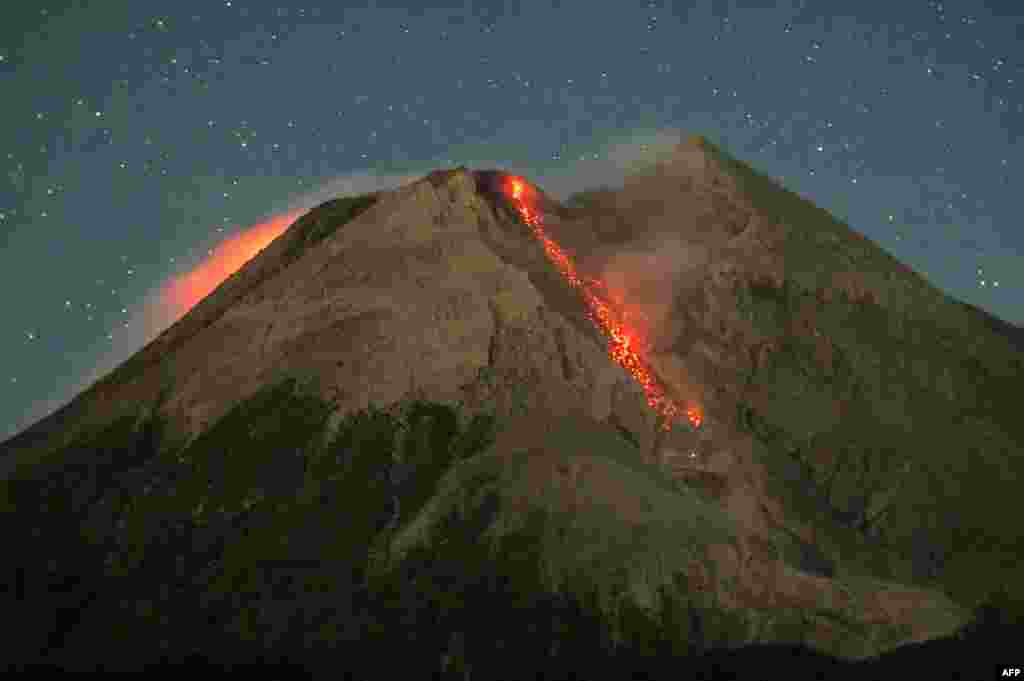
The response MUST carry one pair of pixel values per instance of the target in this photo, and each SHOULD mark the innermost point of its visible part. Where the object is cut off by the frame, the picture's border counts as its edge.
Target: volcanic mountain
(467, 423)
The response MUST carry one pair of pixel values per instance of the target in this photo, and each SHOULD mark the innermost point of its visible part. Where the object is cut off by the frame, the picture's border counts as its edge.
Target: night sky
(148, 148)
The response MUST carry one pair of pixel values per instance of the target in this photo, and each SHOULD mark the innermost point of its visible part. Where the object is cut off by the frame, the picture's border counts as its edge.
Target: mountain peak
(710, 387)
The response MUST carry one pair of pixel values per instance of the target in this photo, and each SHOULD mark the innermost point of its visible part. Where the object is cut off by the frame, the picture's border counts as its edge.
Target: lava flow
(624, 344)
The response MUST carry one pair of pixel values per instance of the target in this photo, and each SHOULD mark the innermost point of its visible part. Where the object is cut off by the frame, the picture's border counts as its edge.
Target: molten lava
(625, 343)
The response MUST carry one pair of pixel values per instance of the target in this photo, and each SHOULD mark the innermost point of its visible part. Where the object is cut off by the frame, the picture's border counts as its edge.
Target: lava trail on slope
(625, 344)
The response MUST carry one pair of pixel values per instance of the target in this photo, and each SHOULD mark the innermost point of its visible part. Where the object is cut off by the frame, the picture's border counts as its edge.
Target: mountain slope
(407, 375)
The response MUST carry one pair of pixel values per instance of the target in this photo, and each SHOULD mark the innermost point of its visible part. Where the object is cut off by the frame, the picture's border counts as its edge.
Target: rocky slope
(845, 490)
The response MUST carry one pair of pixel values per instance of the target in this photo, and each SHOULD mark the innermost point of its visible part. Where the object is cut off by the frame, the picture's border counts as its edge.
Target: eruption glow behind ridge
(184, 291)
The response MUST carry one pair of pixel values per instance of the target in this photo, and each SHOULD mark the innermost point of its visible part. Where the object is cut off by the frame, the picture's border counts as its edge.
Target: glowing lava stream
(622, 343)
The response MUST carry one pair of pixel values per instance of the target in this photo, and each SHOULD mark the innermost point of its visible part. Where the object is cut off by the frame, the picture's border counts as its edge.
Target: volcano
(692, 421)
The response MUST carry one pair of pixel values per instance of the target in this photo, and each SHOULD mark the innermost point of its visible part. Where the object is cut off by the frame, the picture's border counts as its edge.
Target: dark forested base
(400, 658)
(459, 613)
(111, 564)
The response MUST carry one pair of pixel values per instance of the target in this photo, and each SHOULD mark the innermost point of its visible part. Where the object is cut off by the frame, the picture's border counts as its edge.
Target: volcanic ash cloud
(644, 282)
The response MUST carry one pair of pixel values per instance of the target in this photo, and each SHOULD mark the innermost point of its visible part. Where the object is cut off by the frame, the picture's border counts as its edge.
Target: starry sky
(148, 148)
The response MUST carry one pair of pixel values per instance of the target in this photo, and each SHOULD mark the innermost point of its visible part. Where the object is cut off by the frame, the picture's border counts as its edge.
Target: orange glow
(626, 342)
(185, 290)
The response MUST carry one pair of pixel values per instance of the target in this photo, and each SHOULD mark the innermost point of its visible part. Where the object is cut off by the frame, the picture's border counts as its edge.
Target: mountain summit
(695, 394)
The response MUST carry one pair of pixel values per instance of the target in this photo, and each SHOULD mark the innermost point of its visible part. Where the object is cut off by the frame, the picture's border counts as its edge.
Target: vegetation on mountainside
(889, 423)
(877, 433)
(818, 246)
(253, 543)
(142, 542)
